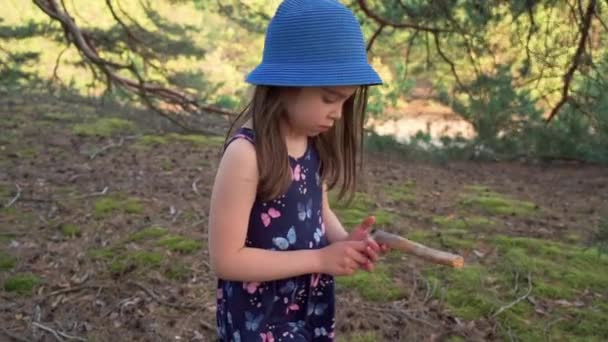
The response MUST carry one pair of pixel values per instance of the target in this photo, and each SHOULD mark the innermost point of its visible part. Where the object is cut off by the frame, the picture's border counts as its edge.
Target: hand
(343, 257)
(362, 233)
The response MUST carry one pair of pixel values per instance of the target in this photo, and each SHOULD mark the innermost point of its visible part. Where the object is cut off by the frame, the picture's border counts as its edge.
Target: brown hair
(340, 148)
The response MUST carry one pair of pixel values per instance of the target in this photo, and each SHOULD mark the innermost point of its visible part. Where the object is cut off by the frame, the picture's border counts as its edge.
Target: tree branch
(174, 99)
(586, 23)
(373, 38)
(447, 60)
(382, 21)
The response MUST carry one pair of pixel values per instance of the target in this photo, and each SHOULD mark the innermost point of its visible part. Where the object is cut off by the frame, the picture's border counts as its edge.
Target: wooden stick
(400, 243)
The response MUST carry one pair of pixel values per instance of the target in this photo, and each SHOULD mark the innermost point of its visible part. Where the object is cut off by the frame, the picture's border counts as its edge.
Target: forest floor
(103, 238)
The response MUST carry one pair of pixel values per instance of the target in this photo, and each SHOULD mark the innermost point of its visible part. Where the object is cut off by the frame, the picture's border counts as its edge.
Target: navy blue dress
(300, 308)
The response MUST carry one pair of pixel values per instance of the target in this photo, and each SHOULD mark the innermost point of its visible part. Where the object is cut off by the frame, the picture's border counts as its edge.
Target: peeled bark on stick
(400, 243)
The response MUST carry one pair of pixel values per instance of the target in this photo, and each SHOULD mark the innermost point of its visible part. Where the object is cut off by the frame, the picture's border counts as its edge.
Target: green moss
(132, 206)
(5, 237)
(375, 286)
(106, 253)
(561, 271)
(180, 243)
(466, 295)
(457, 243)
(456, 339)
(477, 188)
(153, 140)
(108, 205)
(148, 233)
(368, 336)
(454, 239)
(14, 215)
(557, 271)
(551, 290)
(59, 116)
(7, 261)
(22, 283)
(166, 164)
(5, 192)
(105, 127)
(177, 271)
(401, 193)
(573, 238)
(28, 152)
(588, 323)
(70, 230)
(200, 140)
(105, 206)
(136, 259)
(362, 206)
(494, 203)
(462, 223)
(420, 236)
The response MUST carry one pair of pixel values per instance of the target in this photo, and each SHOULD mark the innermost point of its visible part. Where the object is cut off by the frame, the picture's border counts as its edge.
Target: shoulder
(239, 157)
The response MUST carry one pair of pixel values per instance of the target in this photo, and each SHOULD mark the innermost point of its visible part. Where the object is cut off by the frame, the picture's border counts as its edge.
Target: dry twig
(162, 301)
(510, 305)
(16, 196)
(56, 333)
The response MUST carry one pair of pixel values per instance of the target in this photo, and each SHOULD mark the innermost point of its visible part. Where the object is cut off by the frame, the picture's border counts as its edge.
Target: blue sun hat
(314, 43)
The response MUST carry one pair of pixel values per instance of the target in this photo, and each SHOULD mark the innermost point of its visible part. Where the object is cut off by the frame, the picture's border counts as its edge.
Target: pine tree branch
(177, 101)
(374, 36)
(586, 23)
(383, 21)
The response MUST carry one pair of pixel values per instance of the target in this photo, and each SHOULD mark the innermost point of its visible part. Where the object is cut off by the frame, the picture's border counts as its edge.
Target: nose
(336, 115)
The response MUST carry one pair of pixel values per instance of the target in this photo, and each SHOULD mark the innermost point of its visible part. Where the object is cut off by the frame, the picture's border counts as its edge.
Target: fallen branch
(105, 148)
(13, 336)
(194, 187)
(207, 326)
(510, 305)
(16, 196)
(56, 333)
(162, 301)
(397, 312)
(70, 289)
(94, 194)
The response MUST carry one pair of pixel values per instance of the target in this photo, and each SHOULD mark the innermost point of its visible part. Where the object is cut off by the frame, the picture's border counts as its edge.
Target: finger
(357, 256)
(373, 244)
(371, 254)
(367, 223)
(352, 265)
(358, 245)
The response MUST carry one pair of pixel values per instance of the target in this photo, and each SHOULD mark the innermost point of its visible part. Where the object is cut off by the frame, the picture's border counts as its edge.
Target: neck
(290, 133)
(296, 141)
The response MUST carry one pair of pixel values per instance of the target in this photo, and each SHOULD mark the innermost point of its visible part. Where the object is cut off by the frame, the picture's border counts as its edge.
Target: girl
(274, 242)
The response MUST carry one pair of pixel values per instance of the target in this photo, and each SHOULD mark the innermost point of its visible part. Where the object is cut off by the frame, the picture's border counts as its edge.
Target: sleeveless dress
(300, 308)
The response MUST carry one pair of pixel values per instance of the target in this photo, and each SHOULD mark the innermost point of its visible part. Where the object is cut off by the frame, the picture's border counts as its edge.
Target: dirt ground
(78, 201)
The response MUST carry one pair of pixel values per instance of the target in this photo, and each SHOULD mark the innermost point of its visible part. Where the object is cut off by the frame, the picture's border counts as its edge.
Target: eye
(328, 100)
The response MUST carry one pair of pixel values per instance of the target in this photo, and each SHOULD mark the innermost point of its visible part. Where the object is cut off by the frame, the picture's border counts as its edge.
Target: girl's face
(314, 110)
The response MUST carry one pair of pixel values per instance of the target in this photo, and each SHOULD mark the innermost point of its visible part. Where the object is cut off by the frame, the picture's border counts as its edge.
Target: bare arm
(333, 228)
(233, 195)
